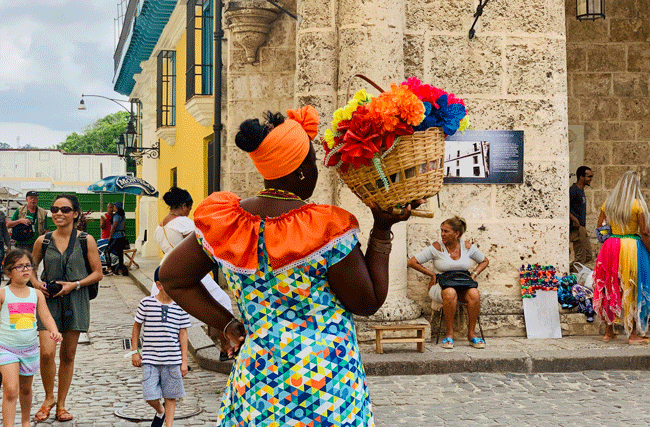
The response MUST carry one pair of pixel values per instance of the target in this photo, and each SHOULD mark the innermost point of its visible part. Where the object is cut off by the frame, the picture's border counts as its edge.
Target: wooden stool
(130, 254)
(419, 338)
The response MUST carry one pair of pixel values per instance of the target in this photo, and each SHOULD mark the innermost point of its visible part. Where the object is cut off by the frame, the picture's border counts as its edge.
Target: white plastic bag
(583, 274)
(435, 293)
(589, 282)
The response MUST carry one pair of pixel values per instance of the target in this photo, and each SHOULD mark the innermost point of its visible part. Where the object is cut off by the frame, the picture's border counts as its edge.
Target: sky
(52, 51)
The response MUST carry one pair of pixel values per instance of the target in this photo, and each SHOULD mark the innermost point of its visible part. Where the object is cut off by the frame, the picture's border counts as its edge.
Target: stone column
(370, 42)
(316, 75)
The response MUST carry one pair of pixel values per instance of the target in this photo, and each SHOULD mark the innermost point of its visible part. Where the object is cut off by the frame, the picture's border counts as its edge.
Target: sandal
(44, 412)
(63, 415)
(477, 342)
(448, 343)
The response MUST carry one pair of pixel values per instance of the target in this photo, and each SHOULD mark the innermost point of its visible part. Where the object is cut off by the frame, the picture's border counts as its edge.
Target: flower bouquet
(390, 148)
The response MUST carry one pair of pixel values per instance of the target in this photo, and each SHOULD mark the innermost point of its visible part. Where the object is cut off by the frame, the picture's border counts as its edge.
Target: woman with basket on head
(67, 275)
(622, 272)
(298, 274)
(452, 258)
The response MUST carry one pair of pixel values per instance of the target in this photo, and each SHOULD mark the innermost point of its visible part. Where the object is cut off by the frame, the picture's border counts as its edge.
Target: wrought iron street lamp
(130, 135)
(590, 9)
(127, 143)
(82, 104)
(121, 147)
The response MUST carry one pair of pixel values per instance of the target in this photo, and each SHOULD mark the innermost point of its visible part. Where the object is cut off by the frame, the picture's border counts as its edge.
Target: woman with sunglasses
(64, 264)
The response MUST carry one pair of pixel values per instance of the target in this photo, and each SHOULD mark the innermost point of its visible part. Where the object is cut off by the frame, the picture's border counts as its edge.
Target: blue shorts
(162, 380)
(28, 358)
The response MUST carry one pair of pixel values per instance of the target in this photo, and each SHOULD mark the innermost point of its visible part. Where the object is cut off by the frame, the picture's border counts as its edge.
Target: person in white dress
(171, 231)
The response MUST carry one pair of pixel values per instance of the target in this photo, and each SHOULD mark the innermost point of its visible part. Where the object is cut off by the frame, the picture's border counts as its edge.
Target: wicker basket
(414, 170)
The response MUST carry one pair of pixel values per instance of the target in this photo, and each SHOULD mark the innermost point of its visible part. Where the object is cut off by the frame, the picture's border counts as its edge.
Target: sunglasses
(63, 209)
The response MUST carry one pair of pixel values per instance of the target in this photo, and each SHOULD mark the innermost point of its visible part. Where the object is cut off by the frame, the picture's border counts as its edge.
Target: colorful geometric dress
(300, 363)
(622, 277)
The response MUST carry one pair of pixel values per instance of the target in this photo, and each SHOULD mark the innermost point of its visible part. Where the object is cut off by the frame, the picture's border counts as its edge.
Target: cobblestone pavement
(590, 398)
(105, 381)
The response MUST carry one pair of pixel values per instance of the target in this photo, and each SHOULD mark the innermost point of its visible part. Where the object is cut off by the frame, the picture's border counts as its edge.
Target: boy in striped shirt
(163, 356)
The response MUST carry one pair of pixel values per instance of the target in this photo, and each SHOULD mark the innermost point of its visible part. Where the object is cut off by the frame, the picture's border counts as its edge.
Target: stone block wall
(608, 64)
(252, 89)
(512, 76)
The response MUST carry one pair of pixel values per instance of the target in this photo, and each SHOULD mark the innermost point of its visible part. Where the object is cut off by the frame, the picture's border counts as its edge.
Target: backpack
(93, 289)
(22, 232)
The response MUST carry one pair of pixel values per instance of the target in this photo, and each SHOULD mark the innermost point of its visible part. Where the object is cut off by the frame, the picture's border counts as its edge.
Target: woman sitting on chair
(452, 254)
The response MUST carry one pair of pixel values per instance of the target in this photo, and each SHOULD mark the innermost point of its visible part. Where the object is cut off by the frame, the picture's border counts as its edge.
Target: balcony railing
(127, 26)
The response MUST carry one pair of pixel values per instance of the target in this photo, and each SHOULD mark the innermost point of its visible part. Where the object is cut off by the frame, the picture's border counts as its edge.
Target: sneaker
(158, 421)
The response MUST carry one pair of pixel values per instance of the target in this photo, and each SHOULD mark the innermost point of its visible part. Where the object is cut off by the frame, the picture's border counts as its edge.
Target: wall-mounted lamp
(127, 145)
(130, 135)
(121, 147)
(590, 9)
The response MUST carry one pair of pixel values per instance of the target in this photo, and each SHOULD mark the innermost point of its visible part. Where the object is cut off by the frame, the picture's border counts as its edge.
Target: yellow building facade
(181, 125)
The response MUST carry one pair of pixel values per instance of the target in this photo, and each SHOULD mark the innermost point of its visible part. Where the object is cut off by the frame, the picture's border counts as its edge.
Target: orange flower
(384, 106)
(411, 109)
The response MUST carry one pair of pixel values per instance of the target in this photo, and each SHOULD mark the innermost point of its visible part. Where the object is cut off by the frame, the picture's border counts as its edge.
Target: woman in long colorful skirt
(622, 272)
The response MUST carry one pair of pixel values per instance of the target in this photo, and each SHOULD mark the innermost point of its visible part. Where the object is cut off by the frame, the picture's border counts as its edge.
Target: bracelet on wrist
(379, 246)
(228, 324)
(390, 239)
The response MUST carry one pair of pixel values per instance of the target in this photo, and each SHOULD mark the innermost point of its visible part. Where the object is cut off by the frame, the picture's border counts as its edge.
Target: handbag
(456, 279)
(603, 233)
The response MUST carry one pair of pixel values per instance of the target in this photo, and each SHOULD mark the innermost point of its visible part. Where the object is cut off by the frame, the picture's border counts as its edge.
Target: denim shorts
(163, 381)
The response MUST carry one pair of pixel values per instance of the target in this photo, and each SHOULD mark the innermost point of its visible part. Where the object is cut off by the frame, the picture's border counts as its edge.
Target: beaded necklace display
(273, 193)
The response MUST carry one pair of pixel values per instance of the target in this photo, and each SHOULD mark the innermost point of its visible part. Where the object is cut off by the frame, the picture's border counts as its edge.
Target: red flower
(361, 138)
(400, 129)
(452, 99)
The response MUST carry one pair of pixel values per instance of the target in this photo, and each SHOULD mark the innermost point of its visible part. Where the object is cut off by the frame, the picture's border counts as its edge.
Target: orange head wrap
(287, 145)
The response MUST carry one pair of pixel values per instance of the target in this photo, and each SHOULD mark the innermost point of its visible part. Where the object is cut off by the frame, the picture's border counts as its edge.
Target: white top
(171, 234)
(162, 324)
(175, 231)
(442, 260)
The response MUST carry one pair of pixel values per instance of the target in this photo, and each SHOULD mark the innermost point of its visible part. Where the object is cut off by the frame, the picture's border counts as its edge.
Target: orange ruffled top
(230, 235)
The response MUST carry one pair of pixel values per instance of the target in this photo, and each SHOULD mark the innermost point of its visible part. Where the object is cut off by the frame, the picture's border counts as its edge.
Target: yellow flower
(338, 116)
(329, 138)
(348, 110)
(361, 97)
(463, 124)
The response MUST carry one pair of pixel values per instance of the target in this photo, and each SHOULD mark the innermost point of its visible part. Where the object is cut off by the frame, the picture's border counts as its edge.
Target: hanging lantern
(590, 9)
(121, 148)
(130, 135)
